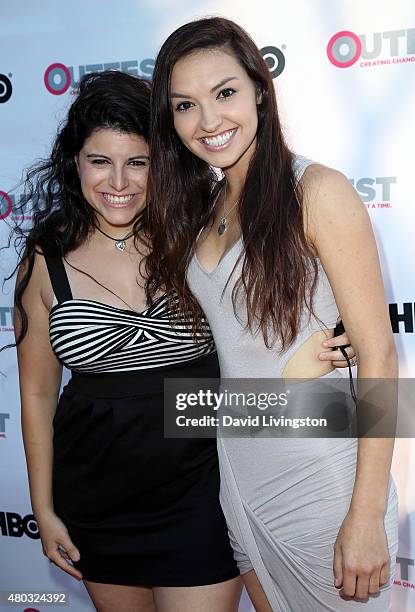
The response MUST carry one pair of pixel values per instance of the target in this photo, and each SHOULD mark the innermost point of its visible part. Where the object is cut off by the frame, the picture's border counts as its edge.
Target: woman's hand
(56, 543)
(336, 356)
(361, 561)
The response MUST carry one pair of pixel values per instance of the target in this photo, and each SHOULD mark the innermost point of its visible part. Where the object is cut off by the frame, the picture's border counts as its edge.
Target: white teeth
(113, 199)
(218, 141)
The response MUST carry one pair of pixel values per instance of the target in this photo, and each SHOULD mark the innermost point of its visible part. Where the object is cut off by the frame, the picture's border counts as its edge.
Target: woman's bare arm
(339, 227)
(40, 376)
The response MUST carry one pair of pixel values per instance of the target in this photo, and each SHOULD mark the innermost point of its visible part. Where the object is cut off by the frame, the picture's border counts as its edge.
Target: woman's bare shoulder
(329, 199)
(39, 283)
(318, 178)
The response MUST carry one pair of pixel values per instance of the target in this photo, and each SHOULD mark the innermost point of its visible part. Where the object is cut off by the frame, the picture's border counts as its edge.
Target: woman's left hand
(337, 356)
(361, 561)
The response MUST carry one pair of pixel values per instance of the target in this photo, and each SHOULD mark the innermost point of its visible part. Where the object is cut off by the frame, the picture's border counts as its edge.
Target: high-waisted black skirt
(142, 509)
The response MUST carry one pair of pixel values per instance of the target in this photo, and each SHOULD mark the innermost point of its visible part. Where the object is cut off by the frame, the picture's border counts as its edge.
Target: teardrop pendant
(120, 245)
(222, 226)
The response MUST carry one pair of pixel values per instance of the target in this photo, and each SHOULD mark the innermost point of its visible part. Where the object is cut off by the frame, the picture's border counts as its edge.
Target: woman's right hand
(56, 543)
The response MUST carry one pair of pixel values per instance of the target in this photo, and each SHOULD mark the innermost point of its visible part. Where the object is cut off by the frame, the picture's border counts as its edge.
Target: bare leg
(221, 597)
(120, 598)
(256, 592)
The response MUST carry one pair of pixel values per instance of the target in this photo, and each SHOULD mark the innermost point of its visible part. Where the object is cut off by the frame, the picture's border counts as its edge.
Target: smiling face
(113, 169)
(214, 106)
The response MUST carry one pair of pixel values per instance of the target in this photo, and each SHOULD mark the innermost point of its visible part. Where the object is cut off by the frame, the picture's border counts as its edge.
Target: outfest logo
(6, 205)
(6, 325)
(58, 78)
(406, 570)
(375, 192)
(346, 48)
(17, 207)
(4, 416)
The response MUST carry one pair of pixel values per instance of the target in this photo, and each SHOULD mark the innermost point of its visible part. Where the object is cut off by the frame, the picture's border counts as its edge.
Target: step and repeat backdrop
(345, 79)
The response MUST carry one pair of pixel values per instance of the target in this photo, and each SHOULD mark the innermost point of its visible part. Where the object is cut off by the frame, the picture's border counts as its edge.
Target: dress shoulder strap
(58, 277)
(300, 164)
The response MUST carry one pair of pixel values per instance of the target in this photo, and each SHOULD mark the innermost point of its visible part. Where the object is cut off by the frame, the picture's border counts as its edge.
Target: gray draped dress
(284, 499)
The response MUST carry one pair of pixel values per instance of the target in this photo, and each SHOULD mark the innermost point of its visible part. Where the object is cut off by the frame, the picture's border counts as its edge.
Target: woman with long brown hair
(272, 253)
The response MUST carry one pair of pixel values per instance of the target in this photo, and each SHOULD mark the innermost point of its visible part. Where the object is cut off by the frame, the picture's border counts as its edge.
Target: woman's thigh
(110, 597)
(221, 597)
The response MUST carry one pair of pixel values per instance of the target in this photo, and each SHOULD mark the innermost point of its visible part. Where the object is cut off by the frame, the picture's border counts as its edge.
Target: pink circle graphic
(5, 196)
(65, 87)
(332, 41)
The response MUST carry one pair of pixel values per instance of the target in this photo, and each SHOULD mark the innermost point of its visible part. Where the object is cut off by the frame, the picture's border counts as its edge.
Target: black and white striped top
(92, 337)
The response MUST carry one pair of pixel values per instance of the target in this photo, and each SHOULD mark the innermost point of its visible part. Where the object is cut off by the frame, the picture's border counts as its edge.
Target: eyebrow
(106, 156)
(175, 94)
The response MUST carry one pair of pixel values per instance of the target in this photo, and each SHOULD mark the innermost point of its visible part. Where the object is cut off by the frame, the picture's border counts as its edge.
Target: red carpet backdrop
(345, 78)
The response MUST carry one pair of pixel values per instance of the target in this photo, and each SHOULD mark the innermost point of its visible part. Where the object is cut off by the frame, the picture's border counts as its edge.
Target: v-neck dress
(142, 509)
(284, 499)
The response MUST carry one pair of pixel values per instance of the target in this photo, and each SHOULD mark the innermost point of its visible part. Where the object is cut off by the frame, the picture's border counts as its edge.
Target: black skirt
(142, 509)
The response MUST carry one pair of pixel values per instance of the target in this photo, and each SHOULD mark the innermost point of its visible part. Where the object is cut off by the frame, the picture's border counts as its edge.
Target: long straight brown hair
(279, 268)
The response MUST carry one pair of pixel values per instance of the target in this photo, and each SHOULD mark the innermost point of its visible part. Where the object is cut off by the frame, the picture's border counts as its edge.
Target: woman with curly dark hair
(135, 515)
(272, 253)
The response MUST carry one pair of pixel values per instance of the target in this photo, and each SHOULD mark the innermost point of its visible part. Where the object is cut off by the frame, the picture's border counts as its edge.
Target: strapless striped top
(93, 337)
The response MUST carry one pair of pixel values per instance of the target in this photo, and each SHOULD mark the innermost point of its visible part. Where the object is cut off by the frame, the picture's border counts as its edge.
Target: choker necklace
(222, 227)
(120, 243)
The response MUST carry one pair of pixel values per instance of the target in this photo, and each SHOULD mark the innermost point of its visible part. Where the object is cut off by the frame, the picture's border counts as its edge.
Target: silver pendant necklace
(120, 243)
(223, 225)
